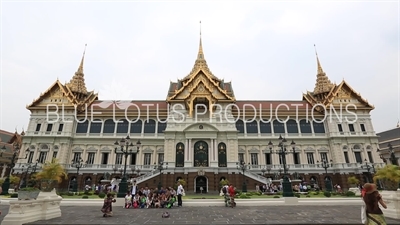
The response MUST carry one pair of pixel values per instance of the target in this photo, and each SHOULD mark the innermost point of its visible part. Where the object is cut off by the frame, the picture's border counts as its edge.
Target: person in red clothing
(231, 192)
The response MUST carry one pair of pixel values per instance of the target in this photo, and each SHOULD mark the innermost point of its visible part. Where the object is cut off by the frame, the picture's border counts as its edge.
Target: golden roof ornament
(323, 84)
(77, 83)
(200, 63)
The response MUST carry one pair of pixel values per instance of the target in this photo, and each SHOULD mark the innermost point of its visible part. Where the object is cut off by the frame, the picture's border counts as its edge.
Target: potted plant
(389, 176)
(353, 181)
(28, 193)
(52, 174)
(223, 182)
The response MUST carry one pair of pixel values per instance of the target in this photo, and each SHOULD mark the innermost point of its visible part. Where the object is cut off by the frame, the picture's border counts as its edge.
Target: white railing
(259, 178)
(146, 176)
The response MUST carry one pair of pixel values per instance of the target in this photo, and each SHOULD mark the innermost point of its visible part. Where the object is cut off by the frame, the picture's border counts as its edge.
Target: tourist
(180, 192)
(134, 190)
(107, 206)
(231, 191)
(128, 200)
(372, 200)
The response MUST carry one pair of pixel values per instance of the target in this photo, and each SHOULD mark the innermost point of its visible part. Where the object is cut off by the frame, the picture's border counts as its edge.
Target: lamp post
(123, 147)
(242, 166)
(368, 167)
(30, 166)
(160, 167)
(78, 164)
(328, 183)
(393, 158)
(286, 184)
(14, 158)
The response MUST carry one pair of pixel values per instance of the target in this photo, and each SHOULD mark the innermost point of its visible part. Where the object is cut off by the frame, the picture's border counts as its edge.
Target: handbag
(364, 219)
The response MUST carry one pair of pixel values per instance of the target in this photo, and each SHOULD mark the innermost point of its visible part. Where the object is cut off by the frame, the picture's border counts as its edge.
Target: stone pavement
(212, 215)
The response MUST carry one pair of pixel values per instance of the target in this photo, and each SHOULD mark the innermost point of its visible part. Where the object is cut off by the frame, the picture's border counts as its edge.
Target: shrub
(350, 194)
(243, 195)
(276, 196)
(327, 194)
(88, 193)
(70, 194)
(85, 196)
(308, 196)
(102, 195)
(14, 195)
(297, 195)
(317, 193)
(249, 194)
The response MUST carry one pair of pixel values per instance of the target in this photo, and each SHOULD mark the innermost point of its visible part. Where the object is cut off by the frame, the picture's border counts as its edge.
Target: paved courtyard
(318, 214)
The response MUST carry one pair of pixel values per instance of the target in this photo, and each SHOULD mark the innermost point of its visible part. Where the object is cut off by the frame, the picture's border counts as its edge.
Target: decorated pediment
(200, 128)
(201, 86)
(344, 94)
(56, 94)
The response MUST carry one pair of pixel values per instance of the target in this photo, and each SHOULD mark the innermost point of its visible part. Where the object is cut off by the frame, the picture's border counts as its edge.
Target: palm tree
(52, 173)
(389, 176)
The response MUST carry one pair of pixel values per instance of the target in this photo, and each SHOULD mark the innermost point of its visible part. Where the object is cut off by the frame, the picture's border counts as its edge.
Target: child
(128, 200)
(107, 206)
(142, 201)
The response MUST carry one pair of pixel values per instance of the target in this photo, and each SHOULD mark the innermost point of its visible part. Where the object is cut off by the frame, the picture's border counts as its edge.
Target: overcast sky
(134, 49)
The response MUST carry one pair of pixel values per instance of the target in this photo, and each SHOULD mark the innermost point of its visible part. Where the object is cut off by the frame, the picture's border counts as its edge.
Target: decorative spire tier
(77, 83)
(323, 84)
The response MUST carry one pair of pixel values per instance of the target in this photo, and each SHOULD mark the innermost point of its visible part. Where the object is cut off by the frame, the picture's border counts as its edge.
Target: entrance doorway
(201, 154)
(201, 184)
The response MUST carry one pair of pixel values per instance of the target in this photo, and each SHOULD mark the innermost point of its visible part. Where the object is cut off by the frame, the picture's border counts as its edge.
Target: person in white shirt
(179, 192)
(128, 200)
(134, 190)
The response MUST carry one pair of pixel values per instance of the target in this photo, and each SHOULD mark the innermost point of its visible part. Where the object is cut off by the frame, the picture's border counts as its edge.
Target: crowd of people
(146, 198)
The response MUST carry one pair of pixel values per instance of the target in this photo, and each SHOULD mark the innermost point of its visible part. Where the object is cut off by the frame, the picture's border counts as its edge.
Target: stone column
(187, 149)
(211, 155)
(216, 150)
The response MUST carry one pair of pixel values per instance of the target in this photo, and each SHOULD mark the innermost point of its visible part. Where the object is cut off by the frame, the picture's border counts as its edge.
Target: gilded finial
(200, 54)
(80, 69)
(318, 63)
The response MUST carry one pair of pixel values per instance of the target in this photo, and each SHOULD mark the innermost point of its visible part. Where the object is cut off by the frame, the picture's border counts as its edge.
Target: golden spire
(200, 54)
(323, 84)
(200, 62)
(77, 83)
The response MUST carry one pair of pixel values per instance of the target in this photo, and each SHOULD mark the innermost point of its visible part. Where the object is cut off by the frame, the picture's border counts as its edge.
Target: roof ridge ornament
(77, 83)
(323, 84)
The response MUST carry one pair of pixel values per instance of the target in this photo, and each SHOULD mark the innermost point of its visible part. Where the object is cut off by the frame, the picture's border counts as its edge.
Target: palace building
(201, 131)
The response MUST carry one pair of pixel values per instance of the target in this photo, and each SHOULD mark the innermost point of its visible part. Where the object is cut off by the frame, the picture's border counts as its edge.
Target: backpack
(224, 190)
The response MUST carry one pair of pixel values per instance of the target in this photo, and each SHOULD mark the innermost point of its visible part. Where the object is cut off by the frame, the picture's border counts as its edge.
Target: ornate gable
(344, 93)
(56, 94)
(200, 83)
(72, 94)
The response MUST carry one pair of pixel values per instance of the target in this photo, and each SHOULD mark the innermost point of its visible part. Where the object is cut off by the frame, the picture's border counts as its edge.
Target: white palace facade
(203, 147)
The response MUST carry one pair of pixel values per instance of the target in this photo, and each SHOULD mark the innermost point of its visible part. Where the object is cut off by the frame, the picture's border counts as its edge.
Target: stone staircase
(261, 179)
(146, 176)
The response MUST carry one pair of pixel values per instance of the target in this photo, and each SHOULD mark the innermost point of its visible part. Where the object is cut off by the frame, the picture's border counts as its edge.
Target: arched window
(291, 127)
(305, 126)
(109, 126)
(150, 126)
(240, 126)
(82, 127)
(319, 128)
(95, 126)
(279, 128)
(161, 126)
(122, 126)
(222, 155)
(180, 155)
(265, 128)
(252, 127)
(136, 127)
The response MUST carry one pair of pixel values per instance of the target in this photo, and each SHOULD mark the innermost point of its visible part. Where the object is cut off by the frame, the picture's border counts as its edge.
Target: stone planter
(48, 185)
(392, 200)
(28, 195)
